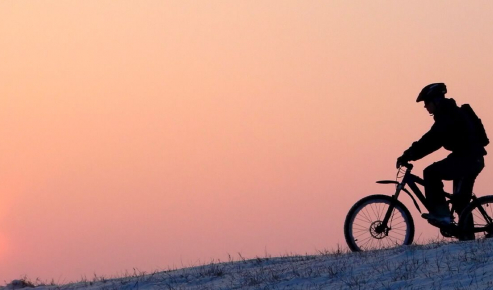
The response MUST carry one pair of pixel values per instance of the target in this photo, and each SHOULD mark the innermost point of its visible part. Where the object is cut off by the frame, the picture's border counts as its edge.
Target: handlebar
(407, 165)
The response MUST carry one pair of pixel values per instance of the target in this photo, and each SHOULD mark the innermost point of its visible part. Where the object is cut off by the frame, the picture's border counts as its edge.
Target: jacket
(451, 131)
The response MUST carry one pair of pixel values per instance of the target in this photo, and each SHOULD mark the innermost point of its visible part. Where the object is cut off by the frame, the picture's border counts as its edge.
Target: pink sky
(156, 134)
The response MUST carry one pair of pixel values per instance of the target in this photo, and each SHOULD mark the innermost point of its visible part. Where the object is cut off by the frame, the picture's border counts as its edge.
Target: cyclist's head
(432, 92)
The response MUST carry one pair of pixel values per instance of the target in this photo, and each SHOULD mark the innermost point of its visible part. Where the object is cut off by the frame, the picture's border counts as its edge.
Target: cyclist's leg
(463, 186)
(450, 168)
(463, 189)
(433, 176)
(463, 192)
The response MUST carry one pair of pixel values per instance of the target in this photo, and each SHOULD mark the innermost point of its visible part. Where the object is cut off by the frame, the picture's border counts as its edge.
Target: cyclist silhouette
(453, 131)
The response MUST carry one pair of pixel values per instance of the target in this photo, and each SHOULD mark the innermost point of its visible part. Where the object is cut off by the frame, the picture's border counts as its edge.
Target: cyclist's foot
(445, 220)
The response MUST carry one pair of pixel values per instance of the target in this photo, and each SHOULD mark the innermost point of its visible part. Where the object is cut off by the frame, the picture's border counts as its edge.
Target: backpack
(476, 123)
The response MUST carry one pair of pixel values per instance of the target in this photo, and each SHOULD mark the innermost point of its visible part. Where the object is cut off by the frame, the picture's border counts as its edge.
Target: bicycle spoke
(477, 218)
(366, 229)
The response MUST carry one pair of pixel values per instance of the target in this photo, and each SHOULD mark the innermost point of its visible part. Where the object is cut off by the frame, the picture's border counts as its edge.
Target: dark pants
(463, 170)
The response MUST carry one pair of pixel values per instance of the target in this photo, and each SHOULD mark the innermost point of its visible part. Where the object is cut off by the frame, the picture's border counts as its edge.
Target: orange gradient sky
(154, 134)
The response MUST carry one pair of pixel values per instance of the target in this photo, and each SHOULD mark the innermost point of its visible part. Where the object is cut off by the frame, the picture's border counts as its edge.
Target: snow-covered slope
(460, 265)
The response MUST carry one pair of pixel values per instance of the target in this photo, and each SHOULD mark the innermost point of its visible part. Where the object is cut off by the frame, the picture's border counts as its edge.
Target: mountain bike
(382, 221)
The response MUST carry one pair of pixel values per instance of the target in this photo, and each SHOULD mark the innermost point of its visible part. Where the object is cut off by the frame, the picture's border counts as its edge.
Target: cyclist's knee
(431, 172)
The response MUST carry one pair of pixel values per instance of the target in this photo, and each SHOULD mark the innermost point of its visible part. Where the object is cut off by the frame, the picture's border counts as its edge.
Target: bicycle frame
(379, 220)
(411, 180)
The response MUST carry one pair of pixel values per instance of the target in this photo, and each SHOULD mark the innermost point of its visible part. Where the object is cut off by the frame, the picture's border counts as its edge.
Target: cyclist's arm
(429, 143)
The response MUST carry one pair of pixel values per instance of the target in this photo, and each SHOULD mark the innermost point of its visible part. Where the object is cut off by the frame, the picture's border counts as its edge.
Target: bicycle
(382, 221)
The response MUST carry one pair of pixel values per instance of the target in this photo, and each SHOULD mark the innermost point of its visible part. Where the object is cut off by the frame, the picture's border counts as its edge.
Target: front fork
(383, 227)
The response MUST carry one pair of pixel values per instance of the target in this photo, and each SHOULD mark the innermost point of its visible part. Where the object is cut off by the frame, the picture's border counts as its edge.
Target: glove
(402, 160)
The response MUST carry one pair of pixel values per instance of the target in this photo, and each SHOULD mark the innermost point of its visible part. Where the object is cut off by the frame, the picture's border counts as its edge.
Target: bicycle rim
(479, 216)
(363, 221)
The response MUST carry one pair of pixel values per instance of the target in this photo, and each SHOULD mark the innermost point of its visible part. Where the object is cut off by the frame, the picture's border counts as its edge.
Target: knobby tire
(367, 213)
(476, 220)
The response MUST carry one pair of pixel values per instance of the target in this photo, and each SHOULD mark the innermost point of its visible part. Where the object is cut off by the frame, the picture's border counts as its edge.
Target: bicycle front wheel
(364, 229)
(476, 220)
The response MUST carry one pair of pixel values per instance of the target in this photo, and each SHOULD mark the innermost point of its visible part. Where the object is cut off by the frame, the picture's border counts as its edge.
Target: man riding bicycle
(453, 131)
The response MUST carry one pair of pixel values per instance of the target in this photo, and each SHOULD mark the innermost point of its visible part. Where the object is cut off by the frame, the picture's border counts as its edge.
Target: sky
(154, 134)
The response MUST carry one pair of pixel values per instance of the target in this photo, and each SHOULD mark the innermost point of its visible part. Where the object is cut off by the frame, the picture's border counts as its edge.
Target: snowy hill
(464, 265)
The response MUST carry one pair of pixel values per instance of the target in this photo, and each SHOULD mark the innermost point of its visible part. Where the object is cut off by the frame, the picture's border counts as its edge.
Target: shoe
(445, 220)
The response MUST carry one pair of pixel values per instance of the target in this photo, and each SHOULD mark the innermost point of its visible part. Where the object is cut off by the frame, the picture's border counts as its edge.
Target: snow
(456, 265)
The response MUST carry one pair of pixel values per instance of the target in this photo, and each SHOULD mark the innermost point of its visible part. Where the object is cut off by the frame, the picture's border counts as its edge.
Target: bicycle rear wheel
(363, 228)
(476, 220)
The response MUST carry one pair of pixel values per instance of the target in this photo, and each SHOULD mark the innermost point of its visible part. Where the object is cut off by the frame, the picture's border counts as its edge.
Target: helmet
(432, 91)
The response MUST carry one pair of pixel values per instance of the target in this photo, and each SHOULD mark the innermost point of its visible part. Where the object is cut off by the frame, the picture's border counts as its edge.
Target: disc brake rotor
(377, 231)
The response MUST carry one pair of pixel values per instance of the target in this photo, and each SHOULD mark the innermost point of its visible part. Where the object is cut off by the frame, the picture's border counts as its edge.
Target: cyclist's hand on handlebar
(401, 161)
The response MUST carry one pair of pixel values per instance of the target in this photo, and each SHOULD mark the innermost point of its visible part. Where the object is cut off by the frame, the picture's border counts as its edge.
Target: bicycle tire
(367, 213)
(482, 225)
